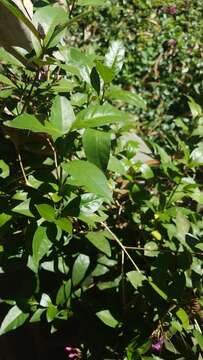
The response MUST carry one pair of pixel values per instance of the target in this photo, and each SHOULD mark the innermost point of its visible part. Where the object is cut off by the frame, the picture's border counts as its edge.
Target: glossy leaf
(115, 56)
(40, 245)
(88, 175)
(98, 115)
(14, 318)
(97, 146)
(80, 267)
(62, 115)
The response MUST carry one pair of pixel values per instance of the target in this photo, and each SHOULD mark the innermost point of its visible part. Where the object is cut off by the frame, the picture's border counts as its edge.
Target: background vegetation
(101, 183)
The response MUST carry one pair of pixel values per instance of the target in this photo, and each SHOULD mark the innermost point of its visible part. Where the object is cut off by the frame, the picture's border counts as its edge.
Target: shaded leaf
(99, 240)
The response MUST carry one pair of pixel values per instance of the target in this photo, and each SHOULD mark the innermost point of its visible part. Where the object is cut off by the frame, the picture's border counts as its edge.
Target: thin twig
(55, 158)
(121, 245)
(22, 167)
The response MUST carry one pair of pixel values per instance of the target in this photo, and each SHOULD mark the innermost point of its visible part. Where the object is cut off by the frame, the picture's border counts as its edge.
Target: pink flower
(73, 353)
(157, 345)
(171, 10)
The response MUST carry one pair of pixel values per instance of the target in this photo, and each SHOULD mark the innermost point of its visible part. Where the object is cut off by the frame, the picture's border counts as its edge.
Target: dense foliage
(101, 182)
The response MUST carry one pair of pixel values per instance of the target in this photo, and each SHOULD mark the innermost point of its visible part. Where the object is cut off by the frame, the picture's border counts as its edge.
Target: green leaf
(5, 80)
(95, 80)
(195, 108)
(4, 169)
(45, 300)
(4, 218)
(89, 203)
(88, 176)
(23, 208)
(183, 316)
(199, 337)
(91, 2)
(46, 211)
(26, 122)
(136, 278)
(97, 146)
(62, 115)
(106, 317)
(36, 317)
(98, 115)
(49, 17)
(80, 267)
(116, 93)
(40, 244)
(83, 63)
(51, 312)
(63, 293)
(14, 318)
(99, 240)
(64, 224)
(115, 56)
(105, 72)
(197, 155)
(158, 290)
(182, 226)
(150, 249)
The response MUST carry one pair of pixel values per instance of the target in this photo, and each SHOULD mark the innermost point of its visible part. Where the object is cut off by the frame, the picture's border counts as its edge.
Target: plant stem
(121, 245)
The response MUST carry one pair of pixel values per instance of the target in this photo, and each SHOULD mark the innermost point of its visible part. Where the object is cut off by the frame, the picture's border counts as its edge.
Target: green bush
(101, 180)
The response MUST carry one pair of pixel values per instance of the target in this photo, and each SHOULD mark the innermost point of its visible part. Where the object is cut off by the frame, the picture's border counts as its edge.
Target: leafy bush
(101, 182)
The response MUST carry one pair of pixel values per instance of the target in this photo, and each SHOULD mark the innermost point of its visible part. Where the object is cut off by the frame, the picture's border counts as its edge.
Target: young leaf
(97, 146)
(14, 318)
(80, 267)
(98, 115)
(115, 56)
(99, 240)
(106, 317)
(88, 176)
(40, 244)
